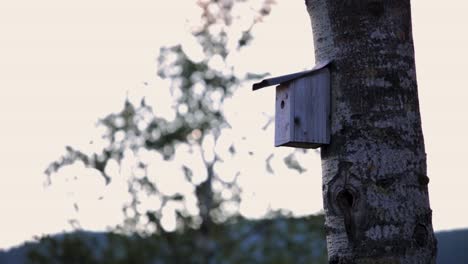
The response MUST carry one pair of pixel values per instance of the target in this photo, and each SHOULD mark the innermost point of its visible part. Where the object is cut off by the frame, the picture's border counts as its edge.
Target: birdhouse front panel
(283, 115)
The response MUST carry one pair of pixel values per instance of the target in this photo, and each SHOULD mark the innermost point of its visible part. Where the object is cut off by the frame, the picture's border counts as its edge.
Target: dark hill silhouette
(452, 247)
(279, 240)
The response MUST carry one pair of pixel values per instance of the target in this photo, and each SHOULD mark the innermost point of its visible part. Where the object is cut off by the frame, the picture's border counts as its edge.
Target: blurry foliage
(199, 88)
(293, 164)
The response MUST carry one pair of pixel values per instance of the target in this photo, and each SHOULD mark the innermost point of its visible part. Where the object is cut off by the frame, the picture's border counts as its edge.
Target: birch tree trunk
(374, 171)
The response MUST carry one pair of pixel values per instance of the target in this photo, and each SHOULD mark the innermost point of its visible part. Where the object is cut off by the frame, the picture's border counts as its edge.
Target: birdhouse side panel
(283, 115)
(321, 107)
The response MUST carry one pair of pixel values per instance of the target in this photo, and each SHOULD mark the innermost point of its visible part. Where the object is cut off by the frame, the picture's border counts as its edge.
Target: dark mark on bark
(423, 180)
(345, 201)
(420, 235)
(336, 184)
(330, 230)
(385, 183)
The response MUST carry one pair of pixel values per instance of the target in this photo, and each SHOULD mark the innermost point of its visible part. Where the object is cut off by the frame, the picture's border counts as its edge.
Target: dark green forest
(279, 239)
(276, 240)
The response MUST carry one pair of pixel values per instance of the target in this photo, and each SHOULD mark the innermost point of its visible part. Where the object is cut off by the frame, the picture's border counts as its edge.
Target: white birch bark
(374, 171)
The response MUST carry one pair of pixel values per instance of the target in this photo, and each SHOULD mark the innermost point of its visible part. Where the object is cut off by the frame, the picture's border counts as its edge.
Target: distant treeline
(277, 240)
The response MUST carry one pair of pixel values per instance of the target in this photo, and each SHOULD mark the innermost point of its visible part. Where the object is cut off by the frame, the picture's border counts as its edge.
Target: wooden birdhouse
(302, 112)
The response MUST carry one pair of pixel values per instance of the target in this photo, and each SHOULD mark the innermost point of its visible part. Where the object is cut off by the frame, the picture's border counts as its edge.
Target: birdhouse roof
(289, 77)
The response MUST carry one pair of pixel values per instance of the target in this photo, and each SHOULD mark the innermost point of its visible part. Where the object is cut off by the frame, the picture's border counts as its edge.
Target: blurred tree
(199, 88)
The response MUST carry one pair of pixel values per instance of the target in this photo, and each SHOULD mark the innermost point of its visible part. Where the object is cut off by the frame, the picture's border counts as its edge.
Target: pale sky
(64, 64)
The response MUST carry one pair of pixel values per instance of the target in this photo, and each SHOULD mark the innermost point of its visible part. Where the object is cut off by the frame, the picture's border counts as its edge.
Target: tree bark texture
(374, 170)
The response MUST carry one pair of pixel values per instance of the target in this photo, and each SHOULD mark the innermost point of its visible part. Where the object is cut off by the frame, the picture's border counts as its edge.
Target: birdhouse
(302, 108)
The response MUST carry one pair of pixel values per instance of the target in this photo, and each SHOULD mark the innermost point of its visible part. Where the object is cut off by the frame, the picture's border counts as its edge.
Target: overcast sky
(64, 64)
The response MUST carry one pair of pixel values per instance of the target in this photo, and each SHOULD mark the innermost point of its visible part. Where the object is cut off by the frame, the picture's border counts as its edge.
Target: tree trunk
(374, 171)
